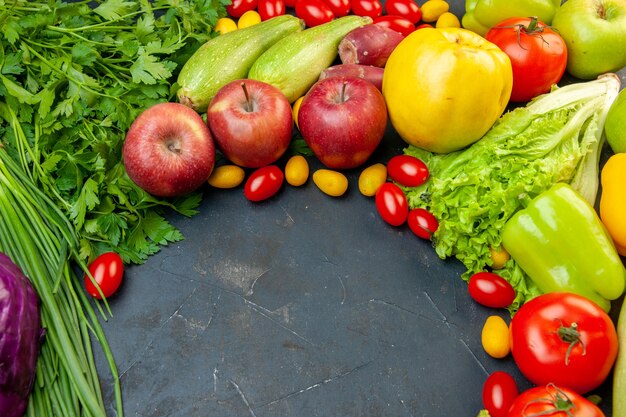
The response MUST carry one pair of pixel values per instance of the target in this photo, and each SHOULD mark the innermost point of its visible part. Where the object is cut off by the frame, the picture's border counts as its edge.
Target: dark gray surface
(303, 305)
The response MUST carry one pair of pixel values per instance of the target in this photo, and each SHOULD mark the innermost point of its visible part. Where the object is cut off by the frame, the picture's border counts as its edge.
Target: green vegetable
(473, 192)
(619, 370)
(72, 80)
(482, 15)
(294, 63)
(229, 57)
(560, 242)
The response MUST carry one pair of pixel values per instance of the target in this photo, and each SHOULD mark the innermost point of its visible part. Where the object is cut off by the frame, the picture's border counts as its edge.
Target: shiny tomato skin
(270, 8)
(339, 7)
(542, 400)
(397, 23)
(422, 223)
(391, 204)
(538, 59)
(407, 170)
(239, 7)
(491, 290)
(263, 183)
(405, 8)
(371, 8)
(543, 356)
(313, 12)
(107, 270)
(499, 392)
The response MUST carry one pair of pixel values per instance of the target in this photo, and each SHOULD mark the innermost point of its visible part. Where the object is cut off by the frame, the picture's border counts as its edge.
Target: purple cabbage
(20, 335)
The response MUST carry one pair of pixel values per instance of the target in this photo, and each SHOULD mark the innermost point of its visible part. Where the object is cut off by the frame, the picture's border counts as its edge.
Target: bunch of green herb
(73, 77)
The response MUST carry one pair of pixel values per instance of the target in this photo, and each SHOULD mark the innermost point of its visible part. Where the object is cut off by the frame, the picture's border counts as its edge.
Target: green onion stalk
(40, 239)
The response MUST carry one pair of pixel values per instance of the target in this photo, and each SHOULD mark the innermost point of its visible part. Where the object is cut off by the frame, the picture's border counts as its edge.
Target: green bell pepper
(482, 15)
(561, 244)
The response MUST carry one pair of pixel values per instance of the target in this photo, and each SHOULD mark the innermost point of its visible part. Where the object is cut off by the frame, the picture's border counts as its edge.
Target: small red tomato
(371, 8)
(407, 170)
(499, 392)
(263, 183)
(554, 401)
(313, 12)
(239, 7)
(491, 290)
(339, 7)
(405, 8)
(391, 204)
(422, 223)
(107, 270)
(270, 8)
(423, 25)
(397, 23)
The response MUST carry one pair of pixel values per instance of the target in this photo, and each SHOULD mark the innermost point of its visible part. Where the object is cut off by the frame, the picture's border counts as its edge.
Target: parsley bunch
(73, 77)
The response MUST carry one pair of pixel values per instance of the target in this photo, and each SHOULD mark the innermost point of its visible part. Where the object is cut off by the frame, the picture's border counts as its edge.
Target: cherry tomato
(371, 8)
(538, 55)
(490, 290)
(423, 25)
(263, 183)
(422, 223)
(339, 7)
(407, 170)
(107, 270)
(270, 8)
(405, 8)
(398, 23)
(313, 12)
(239, 7)
(554, 401)
(565, 339)
(499, 392)
(391, 204)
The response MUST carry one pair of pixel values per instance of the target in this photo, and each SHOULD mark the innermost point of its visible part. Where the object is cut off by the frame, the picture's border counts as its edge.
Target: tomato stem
(532, 25)
(572, 336)
(559, 400)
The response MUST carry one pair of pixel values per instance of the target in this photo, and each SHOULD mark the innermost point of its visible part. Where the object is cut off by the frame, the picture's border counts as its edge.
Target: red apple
(251, 122)
(169, 150)
(343, 120)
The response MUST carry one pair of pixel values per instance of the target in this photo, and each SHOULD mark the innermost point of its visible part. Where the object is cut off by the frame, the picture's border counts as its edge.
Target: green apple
(595, 34)
(615, 125)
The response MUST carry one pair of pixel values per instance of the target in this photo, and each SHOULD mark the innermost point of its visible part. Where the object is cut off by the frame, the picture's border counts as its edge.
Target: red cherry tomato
(263, 183)
(239, 7)
(398, 23)
(339, 7)
(422, 223)
(491, 290)
(423, 25)
(499, 392)
(391, 204)
(107, 270)
(538, 55)
(564, 339)
(407, 170)
(371, 8)
(554, 401)
(405, 8)
(270, 8)
(313, 12)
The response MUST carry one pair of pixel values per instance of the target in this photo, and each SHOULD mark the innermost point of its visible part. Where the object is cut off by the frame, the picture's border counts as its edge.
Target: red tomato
(263, 183)
(423, 25)
(270, 8)
(239, 7)
(107, 270)
(491, 290)
(405, 8)
(565, 339)
(407, 170)
(339, 7)
(371, 8)
(398, 23)
(499, 392)
(553, 401)
(422, 223)
(538, 55)
(391, 204)
(313, 12)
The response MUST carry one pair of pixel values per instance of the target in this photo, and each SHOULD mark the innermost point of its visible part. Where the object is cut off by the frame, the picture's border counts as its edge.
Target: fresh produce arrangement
(117, 113)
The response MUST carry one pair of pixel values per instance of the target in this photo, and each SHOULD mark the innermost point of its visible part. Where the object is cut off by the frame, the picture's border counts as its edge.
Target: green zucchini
(228, 57)
(294, 63)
